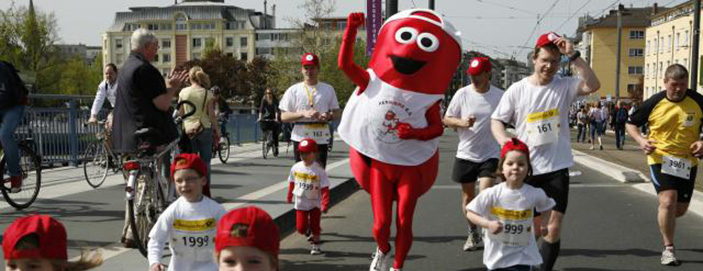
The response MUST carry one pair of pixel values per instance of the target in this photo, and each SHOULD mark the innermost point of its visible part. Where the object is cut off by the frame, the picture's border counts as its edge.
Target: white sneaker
(668, 257)
(393, 269)
(315, 250)
(473, 241)
(381, 262)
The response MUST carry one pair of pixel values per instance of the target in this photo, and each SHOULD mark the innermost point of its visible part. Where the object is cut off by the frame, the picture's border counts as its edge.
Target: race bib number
(543, 127)
(320, 132)
(517, 227)
(675, 166)
(689, 119)
(194, 238)
(306, 185)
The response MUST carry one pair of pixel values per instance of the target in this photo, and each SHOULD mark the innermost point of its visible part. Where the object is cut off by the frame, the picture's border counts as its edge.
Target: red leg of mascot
(392, 121)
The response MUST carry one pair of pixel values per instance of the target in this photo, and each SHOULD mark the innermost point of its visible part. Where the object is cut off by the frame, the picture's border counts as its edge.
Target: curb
(627, 175)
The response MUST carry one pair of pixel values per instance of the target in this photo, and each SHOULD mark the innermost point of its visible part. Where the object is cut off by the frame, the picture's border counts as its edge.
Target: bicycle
(144, 191)
(30, 165)
(221, 147)
(98, 159)
(267, 140)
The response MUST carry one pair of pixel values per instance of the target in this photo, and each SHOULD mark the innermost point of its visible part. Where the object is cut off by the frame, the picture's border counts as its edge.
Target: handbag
(200, 128)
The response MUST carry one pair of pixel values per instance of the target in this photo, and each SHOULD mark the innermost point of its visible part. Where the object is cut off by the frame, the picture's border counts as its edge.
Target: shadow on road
(595, 253)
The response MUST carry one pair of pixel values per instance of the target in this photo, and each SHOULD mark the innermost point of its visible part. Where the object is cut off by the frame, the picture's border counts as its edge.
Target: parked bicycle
(147, 190)
(30, 164)
(98, 159)
(267, 141)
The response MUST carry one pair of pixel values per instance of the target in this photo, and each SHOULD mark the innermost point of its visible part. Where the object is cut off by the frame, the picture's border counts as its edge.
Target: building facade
(512, 71)
(185, 30)
(669, 41)
(599, 44)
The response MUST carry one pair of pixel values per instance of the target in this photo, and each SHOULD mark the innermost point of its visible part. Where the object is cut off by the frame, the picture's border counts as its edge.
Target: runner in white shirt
(311, 105)
(477, 155)
(189, 224)
(507, 210)
(538, 106)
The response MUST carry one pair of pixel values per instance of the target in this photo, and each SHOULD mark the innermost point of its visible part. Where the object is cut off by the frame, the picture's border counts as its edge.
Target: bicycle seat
(145, 138)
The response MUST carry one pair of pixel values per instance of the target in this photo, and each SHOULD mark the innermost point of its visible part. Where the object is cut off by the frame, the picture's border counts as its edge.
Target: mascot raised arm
(392, 121)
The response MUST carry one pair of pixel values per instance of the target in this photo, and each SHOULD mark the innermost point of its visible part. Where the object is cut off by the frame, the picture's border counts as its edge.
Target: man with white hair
(143, 100)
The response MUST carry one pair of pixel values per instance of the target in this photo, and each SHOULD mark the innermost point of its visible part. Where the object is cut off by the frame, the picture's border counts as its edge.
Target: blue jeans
(9, 119)
(581, 131)
(202, 145)
(515, 268)
(619, 134)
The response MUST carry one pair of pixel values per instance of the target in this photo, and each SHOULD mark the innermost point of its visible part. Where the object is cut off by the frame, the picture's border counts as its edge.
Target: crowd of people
(517, 213)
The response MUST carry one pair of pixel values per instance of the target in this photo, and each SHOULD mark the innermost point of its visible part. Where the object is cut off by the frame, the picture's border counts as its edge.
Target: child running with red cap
(507, 211)
(189, 224)
(309, 183)
(247, 240)
(38, 242)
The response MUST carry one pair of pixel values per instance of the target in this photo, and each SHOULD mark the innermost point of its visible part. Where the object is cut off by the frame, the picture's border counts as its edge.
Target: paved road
(609, 226)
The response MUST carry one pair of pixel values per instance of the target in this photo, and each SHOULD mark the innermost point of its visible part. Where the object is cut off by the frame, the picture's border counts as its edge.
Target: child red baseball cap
(307, 145)
(546, 38)
(189, 161)
(479, 65)
(248, 227)
(515, 144)
(310, 59)
(50, 233)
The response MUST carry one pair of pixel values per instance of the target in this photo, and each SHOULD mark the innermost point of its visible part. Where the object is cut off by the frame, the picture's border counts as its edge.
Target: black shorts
(556, 185)
(683, 187)
(466, 171)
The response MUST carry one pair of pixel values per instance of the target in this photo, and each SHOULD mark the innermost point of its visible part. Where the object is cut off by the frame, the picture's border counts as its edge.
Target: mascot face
(414, 52)
(390, 115)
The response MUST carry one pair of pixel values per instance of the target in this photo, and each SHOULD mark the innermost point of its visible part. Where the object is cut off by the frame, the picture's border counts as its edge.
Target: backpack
(621, 116)
(12, 89)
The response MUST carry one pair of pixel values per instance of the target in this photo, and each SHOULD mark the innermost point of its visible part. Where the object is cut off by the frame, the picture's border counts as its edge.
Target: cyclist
(143, 100)
(310, 104)
(106, 90)
(13, 98)
(221, 108)
(269, 112)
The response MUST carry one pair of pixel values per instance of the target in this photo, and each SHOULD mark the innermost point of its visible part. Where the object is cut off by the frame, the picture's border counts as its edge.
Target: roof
(193, 11)
(632, 17)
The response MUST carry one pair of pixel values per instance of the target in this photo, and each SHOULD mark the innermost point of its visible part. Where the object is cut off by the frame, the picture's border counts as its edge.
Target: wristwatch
(574, 56)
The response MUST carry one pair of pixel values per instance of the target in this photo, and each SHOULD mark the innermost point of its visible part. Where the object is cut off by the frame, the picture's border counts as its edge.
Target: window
(631, 87)
(244, 56)
(661, 69)
(196, 26)
(167, 58)
(263, 36)
(166, 26)
(636, 52)
(649, 48)
(156, 58)
(118, 43)
(634, 70)
(243, 42)
(197, 42)
(230, 54)
(636, 34)
(647, 71)
(196, 56)
(263, 51)
(661, 44)
(668, 43)
(685, 39)
(229, 41)
(210, 25)
(181, 23)
(341, 25)
(165, 43)
(234, 25)
(153, 27)
(678, 39)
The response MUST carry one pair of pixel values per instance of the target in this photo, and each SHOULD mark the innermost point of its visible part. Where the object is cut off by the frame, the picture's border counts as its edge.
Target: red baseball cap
(515, 144)
(189, 161)
(479, 65)
(546, 38)
(307, 145)
(50, 232)
(248, 227)
(310, 59)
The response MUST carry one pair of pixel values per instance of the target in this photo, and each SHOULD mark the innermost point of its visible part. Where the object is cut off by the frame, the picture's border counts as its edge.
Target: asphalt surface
(608, 226)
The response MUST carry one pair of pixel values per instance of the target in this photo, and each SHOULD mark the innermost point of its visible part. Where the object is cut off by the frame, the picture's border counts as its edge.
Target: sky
(499, 28)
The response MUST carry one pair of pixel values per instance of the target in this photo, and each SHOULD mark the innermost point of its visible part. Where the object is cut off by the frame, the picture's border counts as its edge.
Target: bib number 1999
(192, 241)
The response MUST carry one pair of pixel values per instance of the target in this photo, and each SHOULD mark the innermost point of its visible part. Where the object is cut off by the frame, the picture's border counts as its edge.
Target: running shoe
(315, 250)
(668, 257)
(381, 262)
(472, 241)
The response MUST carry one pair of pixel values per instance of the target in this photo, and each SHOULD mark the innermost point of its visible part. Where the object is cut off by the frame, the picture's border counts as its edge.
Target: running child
(308, 182)
(507, 210)
(189, 224)
(247, 240)
(38, 242)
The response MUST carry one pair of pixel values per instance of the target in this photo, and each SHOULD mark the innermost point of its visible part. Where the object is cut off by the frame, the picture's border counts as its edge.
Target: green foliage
(225, 71)
(79, 77)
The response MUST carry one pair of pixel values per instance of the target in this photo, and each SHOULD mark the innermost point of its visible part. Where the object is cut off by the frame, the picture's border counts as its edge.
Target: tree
(225, 72)
(259, 78)
(315, 38)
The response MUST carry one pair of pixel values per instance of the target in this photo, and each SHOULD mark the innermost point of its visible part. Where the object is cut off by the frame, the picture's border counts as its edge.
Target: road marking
(116, 249)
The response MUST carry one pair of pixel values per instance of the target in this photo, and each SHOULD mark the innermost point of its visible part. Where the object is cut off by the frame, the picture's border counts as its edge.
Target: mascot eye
(428, 42)
(406, 35)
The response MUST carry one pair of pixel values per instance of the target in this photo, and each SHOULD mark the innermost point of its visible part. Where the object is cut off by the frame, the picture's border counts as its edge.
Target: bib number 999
(200, 241)
(513, 229)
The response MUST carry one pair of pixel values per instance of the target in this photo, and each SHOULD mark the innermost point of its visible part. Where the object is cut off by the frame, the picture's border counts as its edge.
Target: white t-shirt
(190, 230)
(309, 182)
(297, 98)
(476, 144)
(370, 123)
(105, 91)
(540, 115)
(514, 208)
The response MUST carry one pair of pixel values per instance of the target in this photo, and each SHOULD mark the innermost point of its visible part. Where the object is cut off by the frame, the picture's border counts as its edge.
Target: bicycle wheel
(264, 144)
(31, 183)
(95, 164)
(223, 152)
(144, 210)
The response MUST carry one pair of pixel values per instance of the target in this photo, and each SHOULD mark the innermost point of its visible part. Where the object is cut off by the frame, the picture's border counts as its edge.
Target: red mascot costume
(392, 121)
